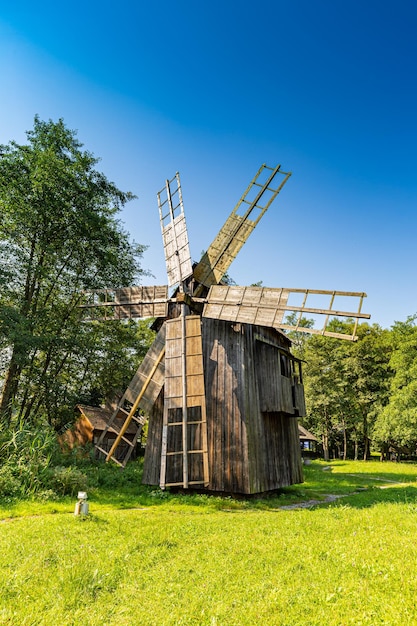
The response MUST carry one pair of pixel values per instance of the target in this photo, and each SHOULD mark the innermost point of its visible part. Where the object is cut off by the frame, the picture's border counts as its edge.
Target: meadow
(143, 556)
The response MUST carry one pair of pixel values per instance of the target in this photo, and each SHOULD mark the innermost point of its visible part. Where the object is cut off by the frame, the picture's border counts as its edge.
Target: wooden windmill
(219, 385)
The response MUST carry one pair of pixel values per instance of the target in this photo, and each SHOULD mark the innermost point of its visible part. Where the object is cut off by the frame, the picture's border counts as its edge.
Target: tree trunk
(365, 437)
(384, 453)
(366, 448)
(325, 441)
(10, 387)
(344, 441)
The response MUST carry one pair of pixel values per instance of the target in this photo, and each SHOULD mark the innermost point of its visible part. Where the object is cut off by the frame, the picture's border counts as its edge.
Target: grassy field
(147, 557)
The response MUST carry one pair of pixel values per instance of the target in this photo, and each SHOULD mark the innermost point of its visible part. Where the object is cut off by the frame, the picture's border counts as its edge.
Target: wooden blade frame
(142, 392)
(237, 228)
(126, 303)
(174, 232)
(268, 307)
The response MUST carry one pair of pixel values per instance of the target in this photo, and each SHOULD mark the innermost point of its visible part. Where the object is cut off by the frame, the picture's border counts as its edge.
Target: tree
(58, 236)
(346, 384)
(324, 387)
(396, 423)
(368, 374)
(299, 339)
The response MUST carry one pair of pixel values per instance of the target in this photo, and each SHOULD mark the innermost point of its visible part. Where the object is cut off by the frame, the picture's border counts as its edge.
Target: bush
(66, 481)
(27, 458)
(10, 486)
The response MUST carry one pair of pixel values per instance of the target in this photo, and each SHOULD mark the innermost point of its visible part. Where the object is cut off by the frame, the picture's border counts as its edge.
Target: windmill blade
(174, 232)
(126, 303)
(148, 381)
(266, 306)
(241, 222)
(141, 393)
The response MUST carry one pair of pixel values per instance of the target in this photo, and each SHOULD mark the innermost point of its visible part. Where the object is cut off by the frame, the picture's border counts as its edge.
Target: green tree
(58, 236)
(324, 387)
(299, 339)
(346, 385)
(396, 423)
(368, 375)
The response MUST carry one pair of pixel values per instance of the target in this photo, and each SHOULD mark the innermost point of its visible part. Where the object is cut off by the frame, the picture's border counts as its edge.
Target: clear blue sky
(215, 88)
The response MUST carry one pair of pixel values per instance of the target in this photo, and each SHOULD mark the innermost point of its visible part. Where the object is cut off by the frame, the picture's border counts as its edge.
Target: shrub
(26, 456)
(10, 486)
(66, 481)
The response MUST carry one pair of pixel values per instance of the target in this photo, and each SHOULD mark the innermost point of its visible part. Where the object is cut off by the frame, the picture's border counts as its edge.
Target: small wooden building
(309, 444)
(253, 395)
(89, 426)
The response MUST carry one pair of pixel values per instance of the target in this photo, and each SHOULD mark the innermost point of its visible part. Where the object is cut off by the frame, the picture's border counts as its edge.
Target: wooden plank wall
(224, 379)
(273, 439)
(250, 450)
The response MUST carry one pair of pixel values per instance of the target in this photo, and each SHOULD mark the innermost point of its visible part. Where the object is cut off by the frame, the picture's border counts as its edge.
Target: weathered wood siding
(253, 440)
(223, 351)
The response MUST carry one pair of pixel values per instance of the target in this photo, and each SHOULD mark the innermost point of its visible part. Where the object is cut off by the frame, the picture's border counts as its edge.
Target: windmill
(219, 384)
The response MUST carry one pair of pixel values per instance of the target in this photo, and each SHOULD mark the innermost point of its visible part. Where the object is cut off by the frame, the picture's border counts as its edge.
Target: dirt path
(332, 497)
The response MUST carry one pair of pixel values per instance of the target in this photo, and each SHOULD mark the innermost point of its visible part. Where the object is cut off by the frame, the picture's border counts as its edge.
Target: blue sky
(213, 89)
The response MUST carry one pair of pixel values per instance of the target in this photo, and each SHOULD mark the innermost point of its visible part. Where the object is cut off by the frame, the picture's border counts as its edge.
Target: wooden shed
(309, 444)
(90, 424)
(253, 394)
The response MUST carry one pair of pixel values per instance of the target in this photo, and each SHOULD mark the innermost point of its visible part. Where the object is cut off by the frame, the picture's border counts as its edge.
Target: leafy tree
(58, 236)
(396, 423)
(324, 387)
(298, 339)
(346, 384)
(368, 375)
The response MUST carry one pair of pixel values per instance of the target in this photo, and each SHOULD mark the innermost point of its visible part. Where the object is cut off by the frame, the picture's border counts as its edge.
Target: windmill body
(253, 397)
(219, 385)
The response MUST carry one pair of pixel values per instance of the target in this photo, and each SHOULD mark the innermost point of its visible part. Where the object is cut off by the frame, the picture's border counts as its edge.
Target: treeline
(362, 396)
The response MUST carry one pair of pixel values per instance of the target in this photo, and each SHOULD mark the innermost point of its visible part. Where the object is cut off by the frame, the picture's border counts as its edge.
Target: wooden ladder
(141, 393)
(184, 454)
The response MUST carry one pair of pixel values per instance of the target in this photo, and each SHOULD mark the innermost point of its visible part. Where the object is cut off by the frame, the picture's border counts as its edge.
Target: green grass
(145, 557)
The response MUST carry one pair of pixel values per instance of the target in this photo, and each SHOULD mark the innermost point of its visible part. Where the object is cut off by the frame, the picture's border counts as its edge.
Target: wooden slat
(136, 404)
(142, 373)
(126, 303)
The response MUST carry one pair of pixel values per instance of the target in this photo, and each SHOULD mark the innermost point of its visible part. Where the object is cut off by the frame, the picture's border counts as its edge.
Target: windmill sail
(125, 303)
(241, 222)
(174, 232)
(270, 307)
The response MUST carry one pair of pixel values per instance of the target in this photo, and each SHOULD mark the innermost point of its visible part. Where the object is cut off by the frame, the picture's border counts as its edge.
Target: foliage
(397, 421)
(346, 384)
(58, 236)
(67, 480)
(26, 455)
